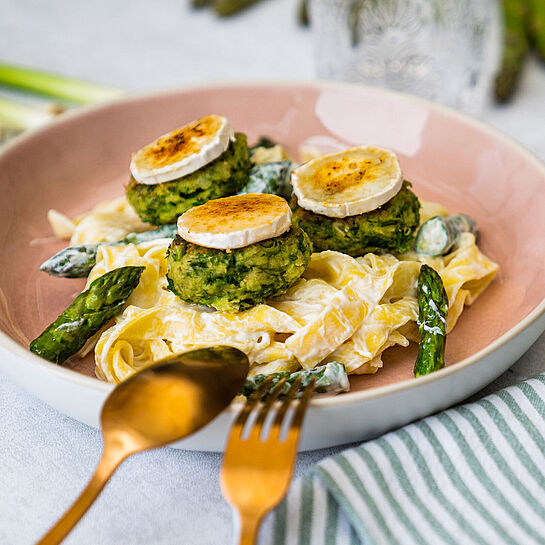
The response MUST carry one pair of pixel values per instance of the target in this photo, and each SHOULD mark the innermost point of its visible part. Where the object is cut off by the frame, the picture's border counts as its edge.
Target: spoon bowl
(158, 405)
(146, 410)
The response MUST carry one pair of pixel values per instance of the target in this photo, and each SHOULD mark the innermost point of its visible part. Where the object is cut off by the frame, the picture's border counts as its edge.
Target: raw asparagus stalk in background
(536, 25)
(77, 261)
(16, 117)
(227, 8)
(21, 117)
(353, 21)
(432, 322)
(302, 13)
(330, 379)
(515, 47)
(438, 235)
(200, 3)
(91, 310)
(59, 87)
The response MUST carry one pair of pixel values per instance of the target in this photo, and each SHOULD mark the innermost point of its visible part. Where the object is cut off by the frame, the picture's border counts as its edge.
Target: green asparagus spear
(90, 311)
(71, 262)
(77, 261)
(354, 15)
(432, 322)
(164, 231)
(330, 379)
(438, 235)
(515, 47)
(262, 142)
(464, 224)
(302, 13)
(197, 4)
(226, 8)
(270, 178)
(59, 87)
(536, 24)
(19, 117)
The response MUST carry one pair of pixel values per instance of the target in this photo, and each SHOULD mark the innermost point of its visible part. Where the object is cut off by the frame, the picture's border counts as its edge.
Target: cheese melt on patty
(349, 182)
(235, 222)
(182, 151)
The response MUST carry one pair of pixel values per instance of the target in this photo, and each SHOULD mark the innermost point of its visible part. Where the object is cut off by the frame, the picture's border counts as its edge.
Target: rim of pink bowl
(346, 398)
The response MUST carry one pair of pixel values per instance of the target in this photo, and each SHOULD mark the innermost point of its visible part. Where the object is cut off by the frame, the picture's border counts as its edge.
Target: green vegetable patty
(163, 203)
(240, 278)
(390, 227)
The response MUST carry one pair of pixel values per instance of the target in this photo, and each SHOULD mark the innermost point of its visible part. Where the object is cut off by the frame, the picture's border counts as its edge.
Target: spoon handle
(247, 528)
(108, 464)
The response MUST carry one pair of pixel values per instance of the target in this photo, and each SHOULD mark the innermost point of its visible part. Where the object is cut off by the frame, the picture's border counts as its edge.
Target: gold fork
(257, 468)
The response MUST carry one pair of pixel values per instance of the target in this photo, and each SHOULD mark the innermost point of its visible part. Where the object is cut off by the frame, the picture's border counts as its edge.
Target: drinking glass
(443, 50)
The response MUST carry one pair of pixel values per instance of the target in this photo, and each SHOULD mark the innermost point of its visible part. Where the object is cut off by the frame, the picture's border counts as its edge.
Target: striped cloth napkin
(474, 474)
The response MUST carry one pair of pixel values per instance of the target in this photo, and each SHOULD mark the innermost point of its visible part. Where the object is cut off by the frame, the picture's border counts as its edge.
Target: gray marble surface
(168, 496)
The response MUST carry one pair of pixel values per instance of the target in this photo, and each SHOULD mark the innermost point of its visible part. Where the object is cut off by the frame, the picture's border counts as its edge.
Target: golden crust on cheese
(234, 222)
(179, 143)
(347, 183)
(182, 151)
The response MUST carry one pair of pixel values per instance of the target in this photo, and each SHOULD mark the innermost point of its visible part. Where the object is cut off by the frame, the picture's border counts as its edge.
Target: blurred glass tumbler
(443, 50)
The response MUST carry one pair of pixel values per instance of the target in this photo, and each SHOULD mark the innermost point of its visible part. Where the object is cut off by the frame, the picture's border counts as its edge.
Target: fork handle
(106, 467)
(247, 529)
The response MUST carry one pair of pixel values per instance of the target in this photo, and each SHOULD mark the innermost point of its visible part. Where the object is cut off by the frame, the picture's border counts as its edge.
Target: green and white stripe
(470, 475)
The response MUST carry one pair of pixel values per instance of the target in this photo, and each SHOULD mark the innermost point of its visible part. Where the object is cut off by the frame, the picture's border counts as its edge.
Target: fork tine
(251, 402)
(255, 432)
(303, 402)
(283, 409)
(292, 436)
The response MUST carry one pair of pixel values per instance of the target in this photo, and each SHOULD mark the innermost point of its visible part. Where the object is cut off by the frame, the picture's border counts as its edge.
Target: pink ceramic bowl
(83, 158)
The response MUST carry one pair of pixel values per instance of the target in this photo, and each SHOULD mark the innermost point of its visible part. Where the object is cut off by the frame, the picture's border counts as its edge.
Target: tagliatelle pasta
(108, 221)
(336, 323)
(361, 353)
(344, 309)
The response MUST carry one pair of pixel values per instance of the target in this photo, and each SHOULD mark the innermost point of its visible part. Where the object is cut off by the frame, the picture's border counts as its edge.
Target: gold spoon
(157, 406)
